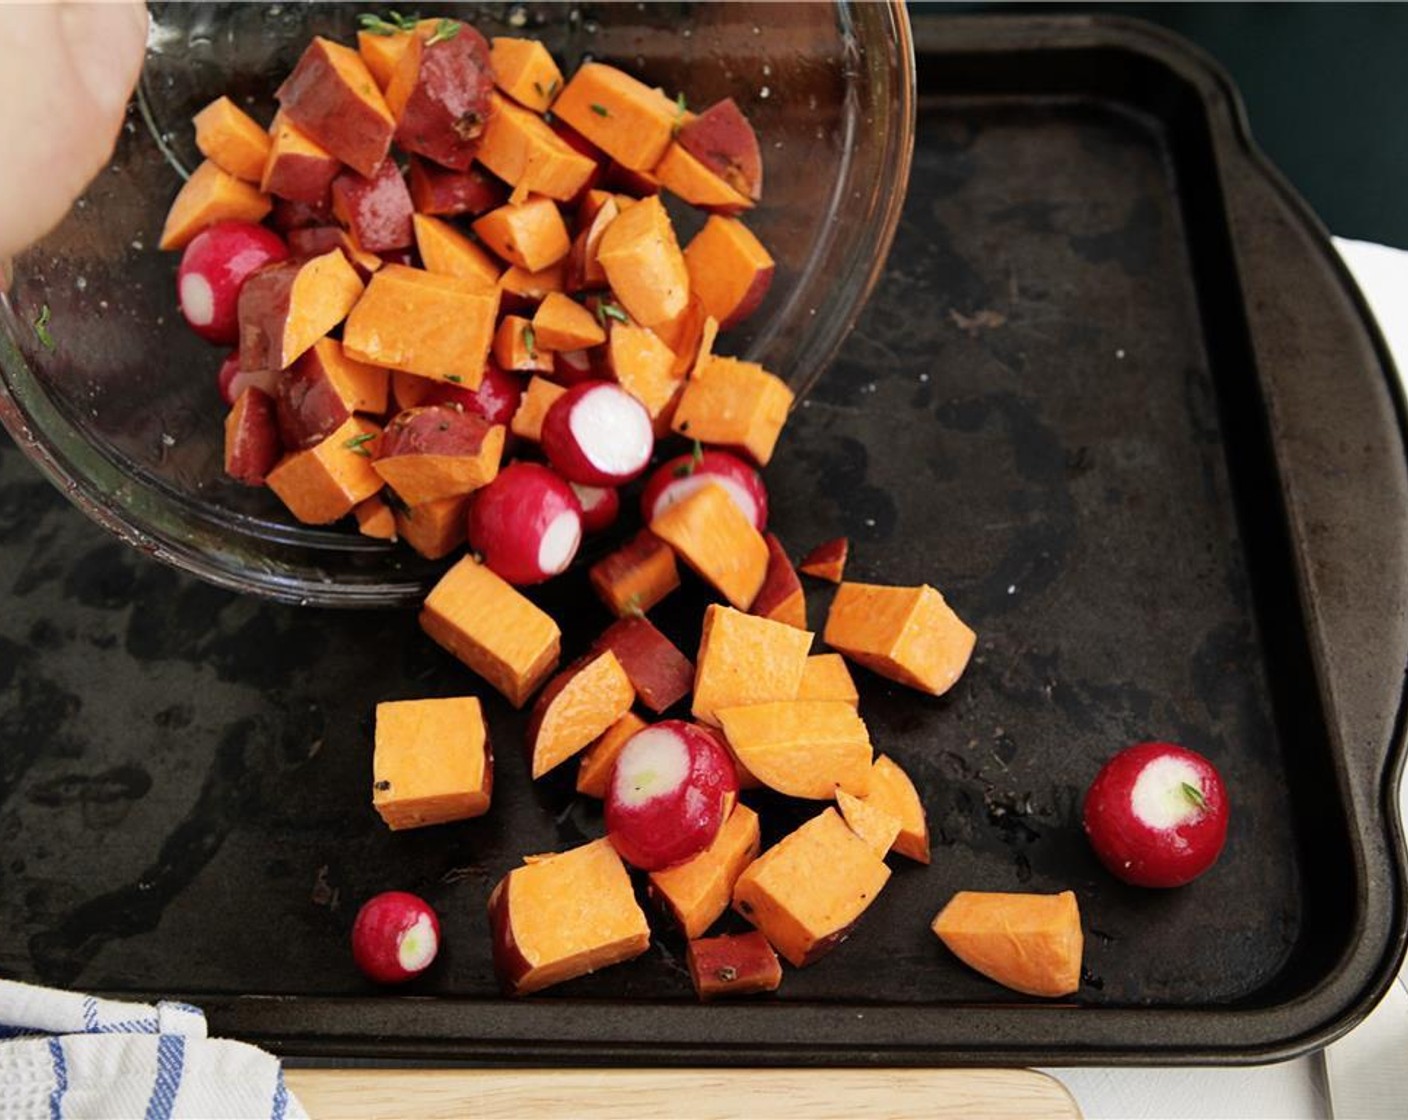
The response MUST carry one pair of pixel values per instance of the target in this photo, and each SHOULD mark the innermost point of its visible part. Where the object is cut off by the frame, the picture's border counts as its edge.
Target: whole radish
(597, 434)
(214, 268)
(526, 524)
(395, 937)
(1156, 815)
(680, 477)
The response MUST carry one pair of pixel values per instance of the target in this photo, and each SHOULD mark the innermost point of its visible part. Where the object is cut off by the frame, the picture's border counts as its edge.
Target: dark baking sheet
(1113, 396)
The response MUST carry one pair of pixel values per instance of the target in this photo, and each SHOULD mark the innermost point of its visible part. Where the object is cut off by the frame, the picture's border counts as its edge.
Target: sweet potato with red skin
(575, 708)
(741, 964)
(827, 560)
(636, 576)
(251, 438)
(443, 192)
(689, 179)
(781, 596)
(439, 452)
(377, 208)
(722, 139)
(439, 95)
(434, 430)
(659, 672)
(322, 390)
(297, 168)
(313, 241)
(291, 214)
(583, 271)
(285, 308)
(333, 98)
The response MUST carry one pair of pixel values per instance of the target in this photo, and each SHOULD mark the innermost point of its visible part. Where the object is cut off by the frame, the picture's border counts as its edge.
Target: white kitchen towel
(68, 1056)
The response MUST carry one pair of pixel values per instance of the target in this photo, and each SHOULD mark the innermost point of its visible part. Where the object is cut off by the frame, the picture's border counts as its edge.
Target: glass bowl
(115, 399)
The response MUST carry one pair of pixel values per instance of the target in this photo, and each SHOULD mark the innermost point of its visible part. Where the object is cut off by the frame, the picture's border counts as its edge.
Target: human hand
(68, 72)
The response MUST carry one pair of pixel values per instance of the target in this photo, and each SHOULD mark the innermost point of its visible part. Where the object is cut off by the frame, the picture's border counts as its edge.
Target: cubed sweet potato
(439, 94)
(594, 773)
(724, 142)
(892, 791)
(332, 97)
(424, 323)
(729, 269)
(285, 308)
(562, 916)
(517, 347)
(291, 214)
(445, 192)
(827, 560)
(491, 627)
(432, 762)
(561, 323)
(643, 262)
(231, 140)
(622, 116)
(661, 675)
(381, 49)
(375, 518)
(746, 660)
(696, 892)
(576, 707)
(524, 152)
(525, 71)
(1031, 943)
(377, 209)
(806, 892)
(643, 366)
(873, 824)
(314, 241)
(523, 290)
(322, 390)
(252, 444)
(780, 598)
(438, 451)
(908, 634)
(324, 482)
(582, 269)
(734, 964)
(434, 529)
(527, 422)
(803, 748)
(827, 678)
(682, 174)
(730, 403)
(531, 235)
(714, 537)
(631, 580)
(445, 250)
(298, 168)
(211, 195)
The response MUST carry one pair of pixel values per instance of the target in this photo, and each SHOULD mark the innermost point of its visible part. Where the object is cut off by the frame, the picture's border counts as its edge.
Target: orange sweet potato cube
(285, 308)
(211, 195)
(780, 598)
(297, 168)
(744, 659)
(714, 537)
(827, 678)
(562, 916)
(432, 762)
(356, 386)
(625, 118)
(381, 53)
(434, 529)
(728, 269)
(827, 560)
(1031, 943)
(908, 634)
(523, 151)
(643, 263)
(227, 137)
(561, 323)
(525, 71)
(803, 748)
(892, 791)
(324, 482)
(806, 892)
(697, 891)
(423, 323)
(636, 576)
(594, 773)
(643, 366)
(430, 476)
(375, 518)
(491, 627)
(527, 422)
(873, 824)
(682, 174)
(531, 234)
(521, 288)
(734, 404)
(445, 250)
(517, 347)
(576, 707)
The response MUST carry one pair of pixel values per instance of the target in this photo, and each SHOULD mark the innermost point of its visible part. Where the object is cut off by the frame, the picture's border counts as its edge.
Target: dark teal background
(1326, 91)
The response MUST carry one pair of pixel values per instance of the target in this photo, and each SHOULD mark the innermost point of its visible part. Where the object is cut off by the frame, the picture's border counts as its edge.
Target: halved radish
(527, 524)
(496, 399)
(214, 268)
(1156, 815)
(597, 434)
(671, 788)
(571, 366)
(680, 477)
(395, 937)
(600, 506)
(232, 381)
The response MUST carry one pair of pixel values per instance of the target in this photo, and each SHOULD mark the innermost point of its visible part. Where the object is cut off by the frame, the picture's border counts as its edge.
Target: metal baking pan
(1115, 396)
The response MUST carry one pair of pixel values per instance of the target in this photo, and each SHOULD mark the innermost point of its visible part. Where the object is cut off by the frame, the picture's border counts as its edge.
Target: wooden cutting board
(682, 1094)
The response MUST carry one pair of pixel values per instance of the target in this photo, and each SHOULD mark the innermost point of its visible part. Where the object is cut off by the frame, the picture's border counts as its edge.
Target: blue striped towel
(66, 1056)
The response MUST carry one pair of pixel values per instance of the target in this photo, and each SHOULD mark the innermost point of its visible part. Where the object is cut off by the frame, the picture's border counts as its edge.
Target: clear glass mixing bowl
(123, 412)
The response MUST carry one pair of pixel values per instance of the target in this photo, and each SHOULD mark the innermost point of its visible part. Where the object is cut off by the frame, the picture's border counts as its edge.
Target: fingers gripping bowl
(116, 399)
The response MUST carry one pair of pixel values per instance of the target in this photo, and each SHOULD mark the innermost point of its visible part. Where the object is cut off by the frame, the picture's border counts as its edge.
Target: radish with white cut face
(677, 479)
(395, 937)
(1156, 815)
(600, 506)
(597, 434)
(526, 524)
(671, 788)
(214, 268)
